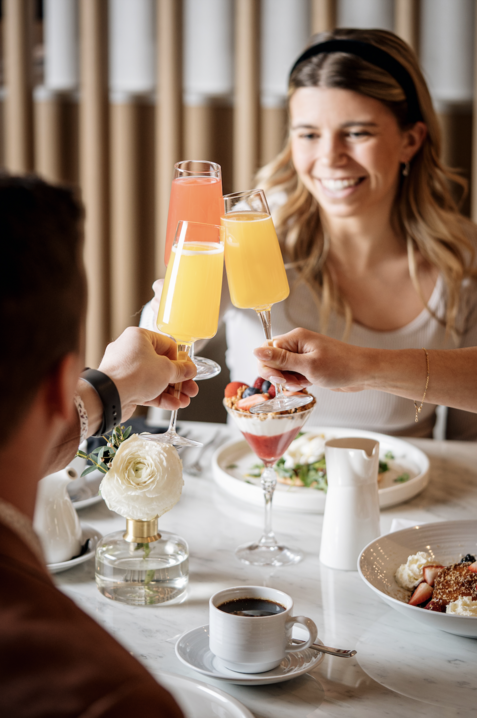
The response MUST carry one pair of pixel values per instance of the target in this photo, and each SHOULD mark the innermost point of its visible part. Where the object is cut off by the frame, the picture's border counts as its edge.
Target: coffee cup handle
(311, 628)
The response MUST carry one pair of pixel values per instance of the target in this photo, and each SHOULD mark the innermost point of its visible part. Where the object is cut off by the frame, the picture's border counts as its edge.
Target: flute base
(266, 553)
(171, 437)
(206, 368)
(281, 403)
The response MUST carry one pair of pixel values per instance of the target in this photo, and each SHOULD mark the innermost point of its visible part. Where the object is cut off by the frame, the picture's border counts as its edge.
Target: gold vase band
(142, 531)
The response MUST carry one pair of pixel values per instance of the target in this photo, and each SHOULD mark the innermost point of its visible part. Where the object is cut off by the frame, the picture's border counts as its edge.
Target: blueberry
(265, 386)
(468, 559)
(250, 391)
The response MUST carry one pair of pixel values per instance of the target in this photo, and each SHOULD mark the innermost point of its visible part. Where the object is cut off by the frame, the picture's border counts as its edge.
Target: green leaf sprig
(102, 457)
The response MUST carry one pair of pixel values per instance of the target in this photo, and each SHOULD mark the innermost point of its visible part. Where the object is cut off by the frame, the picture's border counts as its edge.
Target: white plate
(192, 648)
(199, 700)
(88, 533)
(88, 496)
(238, 454)
(446, 541)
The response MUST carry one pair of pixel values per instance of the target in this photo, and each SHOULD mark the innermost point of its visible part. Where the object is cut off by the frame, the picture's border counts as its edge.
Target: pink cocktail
(269, 436)
(196, 196)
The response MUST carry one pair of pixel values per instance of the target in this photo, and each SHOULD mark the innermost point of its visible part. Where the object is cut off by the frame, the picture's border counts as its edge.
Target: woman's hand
(302, 358)
(144, 367)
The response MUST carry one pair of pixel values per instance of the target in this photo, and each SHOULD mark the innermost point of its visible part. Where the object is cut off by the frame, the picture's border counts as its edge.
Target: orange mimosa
(190, 301)
(253, 259)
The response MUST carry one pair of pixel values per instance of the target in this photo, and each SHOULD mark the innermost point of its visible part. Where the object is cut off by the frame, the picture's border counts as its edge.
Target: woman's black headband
(375, 56)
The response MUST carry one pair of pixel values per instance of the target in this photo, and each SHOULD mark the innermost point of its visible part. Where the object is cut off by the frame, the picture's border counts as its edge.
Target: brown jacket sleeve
(55, 661)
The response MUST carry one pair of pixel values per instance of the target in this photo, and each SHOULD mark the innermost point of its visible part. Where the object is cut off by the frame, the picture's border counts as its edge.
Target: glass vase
(141, 566)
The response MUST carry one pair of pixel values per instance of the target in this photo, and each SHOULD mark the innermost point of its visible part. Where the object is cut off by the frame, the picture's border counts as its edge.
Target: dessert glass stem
(266, 319)
(268, 482)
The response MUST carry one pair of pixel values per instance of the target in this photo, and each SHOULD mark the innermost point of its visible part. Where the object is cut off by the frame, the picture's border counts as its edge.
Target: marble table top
(401, 668)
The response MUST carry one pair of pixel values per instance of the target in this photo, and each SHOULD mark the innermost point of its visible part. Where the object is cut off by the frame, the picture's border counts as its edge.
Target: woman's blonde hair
(424, 212)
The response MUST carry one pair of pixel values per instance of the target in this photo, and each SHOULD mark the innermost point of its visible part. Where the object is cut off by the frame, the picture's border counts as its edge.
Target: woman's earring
(406, 168)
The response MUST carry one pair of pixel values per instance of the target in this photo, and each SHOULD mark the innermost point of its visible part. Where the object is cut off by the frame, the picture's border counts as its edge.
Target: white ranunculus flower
(144, 481)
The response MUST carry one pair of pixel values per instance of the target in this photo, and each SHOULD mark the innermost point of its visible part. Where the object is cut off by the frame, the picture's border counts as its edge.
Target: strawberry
(246, 404)
(473, 567)
(430, 573)
(272, 392)
(436, 605)
(422, 594)
(257, 384)
(232, 388)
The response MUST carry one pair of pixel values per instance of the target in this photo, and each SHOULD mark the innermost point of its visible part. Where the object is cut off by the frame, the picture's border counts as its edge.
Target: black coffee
(251, 607)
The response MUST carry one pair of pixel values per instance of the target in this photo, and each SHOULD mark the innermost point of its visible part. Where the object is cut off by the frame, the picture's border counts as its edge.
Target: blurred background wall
(109, 94)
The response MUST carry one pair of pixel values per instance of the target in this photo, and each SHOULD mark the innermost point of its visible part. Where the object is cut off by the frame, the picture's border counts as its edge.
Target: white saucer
(88, 495)
(192, 648)
(88, 533)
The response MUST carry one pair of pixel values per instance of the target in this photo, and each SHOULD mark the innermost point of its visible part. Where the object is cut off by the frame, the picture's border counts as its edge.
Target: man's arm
(143, 365)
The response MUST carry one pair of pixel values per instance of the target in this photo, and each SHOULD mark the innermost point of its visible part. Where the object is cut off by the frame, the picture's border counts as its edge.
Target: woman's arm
(143, 366)
(331, 364)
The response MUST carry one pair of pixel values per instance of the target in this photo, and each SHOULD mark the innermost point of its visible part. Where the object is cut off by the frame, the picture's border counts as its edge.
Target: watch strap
(109, 395)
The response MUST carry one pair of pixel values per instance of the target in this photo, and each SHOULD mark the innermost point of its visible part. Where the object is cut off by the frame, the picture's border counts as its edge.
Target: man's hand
(302, 358)
(144, 365)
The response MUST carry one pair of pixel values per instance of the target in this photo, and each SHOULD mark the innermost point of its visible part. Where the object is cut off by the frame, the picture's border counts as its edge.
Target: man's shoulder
(52, 653)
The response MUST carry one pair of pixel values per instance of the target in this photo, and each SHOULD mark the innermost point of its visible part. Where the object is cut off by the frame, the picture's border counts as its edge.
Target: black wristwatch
(109, 395)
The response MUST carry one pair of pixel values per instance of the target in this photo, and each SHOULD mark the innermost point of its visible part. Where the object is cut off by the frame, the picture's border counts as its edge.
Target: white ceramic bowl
(447, 541)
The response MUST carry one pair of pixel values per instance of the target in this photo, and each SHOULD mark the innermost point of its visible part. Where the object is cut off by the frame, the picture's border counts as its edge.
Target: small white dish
(192, 649)
(200, 700)
(89, 494)
(445, 541)
(231, 462)
(88, 533)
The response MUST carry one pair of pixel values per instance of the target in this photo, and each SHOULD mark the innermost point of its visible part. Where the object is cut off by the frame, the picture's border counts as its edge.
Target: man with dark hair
(55, 660)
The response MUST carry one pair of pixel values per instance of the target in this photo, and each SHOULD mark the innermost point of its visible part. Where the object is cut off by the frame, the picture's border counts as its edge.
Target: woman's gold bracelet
(418, 408)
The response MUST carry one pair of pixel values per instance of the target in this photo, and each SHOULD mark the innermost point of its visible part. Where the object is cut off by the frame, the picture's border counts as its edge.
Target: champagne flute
(190, 301)
(196, 196)
(256, 272)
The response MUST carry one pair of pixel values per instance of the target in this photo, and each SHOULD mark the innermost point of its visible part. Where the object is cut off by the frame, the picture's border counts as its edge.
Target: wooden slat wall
(323, 15)
(18, 64)
(94, 163)
(123, 154)
(247, 73)
(406, 21)
(169, 112)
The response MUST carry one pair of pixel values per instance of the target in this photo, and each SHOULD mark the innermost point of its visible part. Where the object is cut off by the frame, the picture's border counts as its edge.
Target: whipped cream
(274, 426)
(410, 572)
(464, 606)
(305, 450)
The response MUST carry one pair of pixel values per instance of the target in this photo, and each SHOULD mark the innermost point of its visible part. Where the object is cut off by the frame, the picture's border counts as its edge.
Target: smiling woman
(377, 251)
(366, 218)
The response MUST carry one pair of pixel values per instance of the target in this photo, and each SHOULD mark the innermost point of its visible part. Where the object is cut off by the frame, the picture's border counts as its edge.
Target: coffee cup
(250, 628)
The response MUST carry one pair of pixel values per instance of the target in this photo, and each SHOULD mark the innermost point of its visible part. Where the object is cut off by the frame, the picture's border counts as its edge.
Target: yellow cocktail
(190, 300)
(255, 270)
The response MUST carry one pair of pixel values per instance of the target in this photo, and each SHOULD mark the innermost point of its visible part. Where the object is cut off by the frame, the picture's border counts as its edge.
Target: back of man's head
(42, 288)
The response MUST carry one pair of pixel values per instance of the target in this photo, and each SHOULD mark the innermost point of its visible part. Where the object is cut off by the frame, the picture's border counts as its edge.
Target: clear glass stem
(266, 319)
(183, 351)
(268, 482)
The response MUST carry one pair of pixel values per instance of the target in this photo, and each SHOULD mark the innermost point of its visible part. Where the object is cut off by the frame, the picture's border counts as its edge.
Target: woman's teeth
(335, 185)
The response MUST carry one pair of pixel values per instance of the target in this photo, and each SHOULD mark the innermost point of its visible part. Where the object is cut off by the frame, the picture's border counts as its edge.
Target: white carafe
(56, 521)
(351, 517)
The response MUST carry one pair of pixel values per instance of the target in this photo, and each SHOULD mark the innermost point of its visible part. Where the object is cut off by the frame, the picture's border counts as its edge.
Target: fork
(196, 468)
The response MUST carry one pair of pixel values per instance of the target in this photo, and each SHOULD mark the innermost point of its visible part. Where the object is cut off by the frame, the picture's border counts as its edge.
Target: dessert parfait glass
(269, 436)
